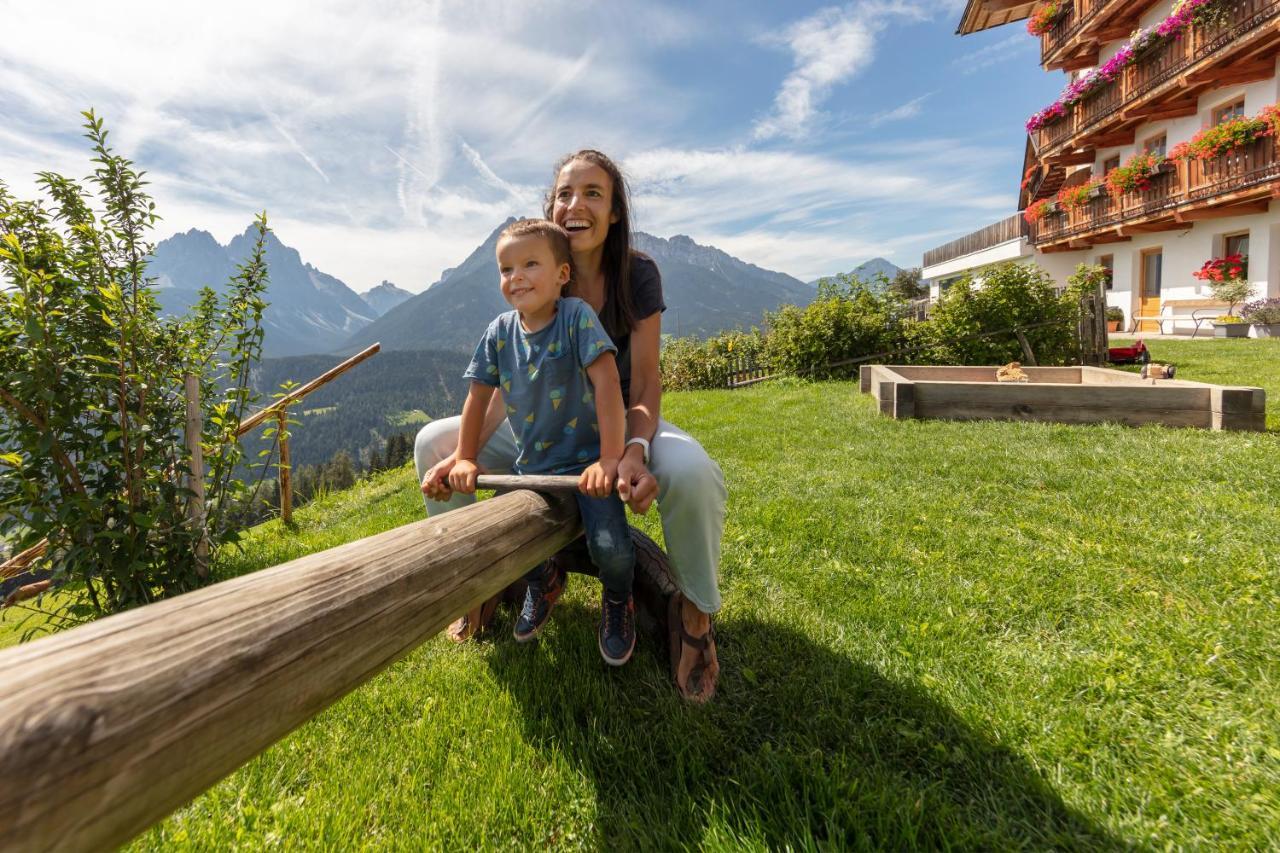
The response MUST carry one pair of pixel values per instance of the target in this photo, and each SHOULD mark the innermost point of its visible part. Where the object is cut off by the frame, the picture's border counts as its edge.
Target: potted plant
(1229, 326)
(1041, 20)
(1264, 316)
(1135, 175)
(1115, 318)
(1227, 280)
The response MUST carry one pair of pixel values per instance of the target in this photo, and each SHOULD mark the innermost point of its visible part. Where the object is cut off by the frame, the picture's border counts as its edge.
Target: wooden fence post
(1027, 354)
(110, 726)
(195, 481)
(286, 484)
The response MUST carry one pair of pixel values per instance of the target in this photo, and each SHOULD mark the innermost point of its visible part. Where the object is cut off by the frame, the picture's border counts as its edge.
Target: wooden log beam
(1221, 211)
(1072, 158)
(110, 726)
(298, 393)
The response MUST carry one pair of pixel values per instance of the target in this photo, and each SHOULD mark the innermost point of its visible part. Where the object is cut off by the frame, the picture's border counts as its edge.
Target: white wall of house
(939, 275)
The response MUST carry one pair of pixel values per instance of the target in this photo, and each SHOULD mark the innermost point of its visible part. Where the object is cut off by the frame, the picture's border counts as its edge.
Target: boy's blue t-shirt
(543, 378)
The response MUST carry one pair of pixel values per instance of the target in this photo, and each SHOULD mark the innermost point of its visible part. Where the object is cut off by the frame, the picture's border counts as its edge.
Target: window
(1108, 262)
(1110, 163)
(1154, 145)
(1226, 112)
(1238, 244)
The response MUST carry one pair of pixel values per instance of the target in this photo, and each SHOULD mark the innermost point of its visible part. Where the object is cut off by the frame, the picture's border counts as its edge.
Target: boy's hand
(597, 480)
(435, 484)
(463, 476)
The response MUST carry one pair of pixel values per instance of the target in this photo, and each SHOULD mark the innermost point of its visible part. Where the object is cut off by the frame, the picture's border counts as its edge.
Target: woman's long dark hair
(618, 315)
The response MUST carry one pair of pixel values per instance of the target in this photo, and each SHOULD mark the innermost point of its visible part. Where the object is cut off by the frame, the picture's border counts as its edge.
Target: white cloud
(910, 109)
(386, 140)
(829, 47)
(1007, 48)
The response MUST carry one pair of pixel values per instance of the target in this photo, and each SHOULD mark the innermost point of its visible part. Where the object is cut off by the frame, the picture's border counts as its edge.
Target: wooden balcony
(1237, 183)
(1166, 80)
(1075, 38)
(1010, 228)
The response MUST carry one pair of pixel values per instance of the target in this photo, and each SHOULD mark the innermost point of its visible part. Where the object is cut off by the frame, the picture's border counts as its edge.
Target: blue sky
(386, 139)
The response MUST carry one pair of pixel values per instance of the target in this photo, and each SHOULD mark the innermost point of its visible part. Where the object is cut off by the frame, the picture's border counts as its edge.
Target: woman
(589, 200)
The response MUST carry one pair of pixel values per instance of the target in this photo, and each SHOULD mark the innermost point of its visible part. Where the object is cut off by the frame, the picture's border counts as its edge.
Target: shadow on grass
(802, 748)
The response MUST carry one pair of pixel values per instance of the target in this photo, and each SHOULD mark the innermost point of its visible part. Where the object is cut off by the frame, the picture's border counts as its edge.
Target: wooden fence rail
(106, 728)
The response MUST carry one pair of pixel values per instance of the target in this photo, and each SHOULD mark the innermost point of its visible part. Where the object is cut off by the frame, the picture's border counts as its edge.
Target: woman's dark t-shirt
(646, 300)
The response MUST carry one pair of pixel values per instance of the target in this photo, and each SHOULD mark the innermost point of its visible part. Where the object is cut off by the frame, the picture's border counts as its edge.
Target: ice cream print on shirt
(543, 378)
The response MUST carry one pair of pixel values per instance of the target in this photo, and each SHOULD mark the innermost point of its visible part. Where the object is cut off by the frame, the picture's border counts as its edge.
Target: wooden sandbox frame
(1072, 395)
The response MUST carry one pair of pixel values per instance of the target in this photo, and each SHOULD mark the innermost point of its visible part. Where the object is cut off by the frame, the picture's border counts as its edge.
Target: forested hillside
(392, 392)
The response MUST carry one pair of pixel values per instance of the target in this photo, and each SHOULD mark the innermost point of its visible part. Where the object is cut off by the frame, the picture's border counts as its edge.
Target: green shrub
(846, 321)
(92, 409)
(1011, 295)
(687, 364)
(1115, 313)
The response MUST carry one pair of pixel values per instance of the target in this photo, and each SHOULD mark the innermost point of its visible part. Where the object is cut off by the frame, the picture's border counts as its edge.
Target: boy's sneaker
(539, 599)
(617, 638)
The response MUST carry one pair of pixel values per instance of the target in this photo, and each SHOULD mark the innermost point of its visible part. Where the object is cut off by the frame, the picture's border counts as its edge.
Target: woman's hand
(435, 484)
(597, 480)
(636, 485)
(462, 478)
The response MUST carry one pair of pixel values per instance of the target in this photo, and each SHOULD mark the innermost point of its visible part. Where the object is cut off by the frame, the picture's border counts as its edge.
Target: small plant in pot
(1115, 318)
(1264, 316)
(1229, 326)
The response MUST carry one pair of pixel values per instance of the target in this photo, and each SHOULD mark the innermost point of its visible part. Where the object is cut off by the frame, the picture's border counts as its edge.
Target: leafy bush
(846, 321)
(1114, 313)
(1011, 295)
(92, 408)
(687, 364)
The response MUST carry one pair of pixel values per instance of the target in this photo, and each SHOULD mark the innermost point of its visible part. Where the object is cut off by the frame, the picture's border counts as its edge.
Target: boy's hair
(556, 238)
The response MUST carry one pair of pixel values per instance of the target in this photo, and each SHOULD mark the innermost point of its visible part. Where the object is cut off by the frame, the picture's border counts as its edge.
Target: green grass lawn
(935, 634)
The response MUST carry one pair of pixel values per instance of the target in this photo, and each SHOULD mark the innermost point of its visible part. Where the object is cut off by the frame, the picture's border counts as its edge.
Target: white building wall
(937, 276)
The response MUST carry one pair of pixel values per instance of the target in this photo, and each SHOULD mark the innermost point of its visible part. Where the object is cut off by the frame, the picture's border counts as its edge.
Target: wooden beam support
(1221, 211)
(1156, 112)
(1081, 62)
(1153, 227)
(1230, 76)
(1121, 137)
(1073, 158)
(993, 6)
(110, 726)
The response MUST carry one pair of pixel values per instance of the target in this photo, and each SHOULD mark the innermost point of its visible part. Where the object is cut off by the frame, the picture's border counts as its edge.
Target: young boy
(555, 366)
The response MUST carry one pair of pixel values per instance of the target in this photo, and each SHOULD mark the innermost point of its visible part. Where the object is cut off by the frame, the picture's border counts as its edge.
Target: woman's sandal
(473, 621)
(701, 685)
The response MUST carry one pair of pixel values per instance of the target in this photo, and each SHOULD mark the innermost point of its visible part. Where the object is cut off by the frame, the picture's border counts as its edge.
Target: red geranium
(1222, 269)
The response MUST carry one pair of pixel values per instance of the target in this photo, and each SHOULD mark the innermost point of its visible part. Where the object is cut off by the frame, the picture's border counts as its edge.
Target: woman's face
(583, 204)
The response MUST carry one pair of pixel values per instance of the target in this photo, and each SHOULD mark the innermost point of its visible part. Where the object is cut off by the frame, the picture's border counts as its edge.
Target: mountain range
(309, 311)
(706, 291)
(868, 271)
(384, 297)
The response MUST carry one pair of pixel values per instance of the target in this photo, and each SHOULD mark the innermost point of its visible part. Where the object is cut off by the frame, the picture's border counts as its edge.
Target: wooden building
(1144, 81)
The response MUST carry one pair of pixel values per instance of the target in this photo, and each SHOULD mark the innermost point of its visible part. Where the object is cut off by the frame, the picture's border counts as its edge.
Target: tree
(906, 285)
(92, 405)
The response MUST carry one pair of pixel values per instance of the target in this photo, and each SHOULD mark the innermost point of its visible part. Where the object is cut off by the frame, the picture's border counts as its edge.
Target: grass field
(935, 635)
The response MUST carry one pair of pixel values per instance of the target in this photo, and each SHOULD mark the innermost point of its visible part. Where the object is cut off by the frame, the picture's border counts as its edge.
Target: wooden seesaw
(654, 584)
(107, 728)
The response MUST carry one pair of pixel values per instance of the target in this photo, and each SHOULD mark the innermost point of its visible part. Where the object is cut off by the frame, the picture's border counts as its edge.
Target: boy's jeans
(609, 543)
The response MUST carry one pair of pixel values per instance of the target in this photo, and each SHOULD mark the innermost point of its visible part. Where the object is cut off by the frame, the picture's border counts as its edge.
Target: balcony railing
(1010, 228)
(1179, 184)
(1158, 65)
(1067, 25)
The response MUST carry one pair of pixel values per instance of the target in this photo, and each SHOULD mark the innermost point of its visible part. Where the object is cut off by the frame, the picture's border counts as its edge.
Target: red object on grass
(1136, 354)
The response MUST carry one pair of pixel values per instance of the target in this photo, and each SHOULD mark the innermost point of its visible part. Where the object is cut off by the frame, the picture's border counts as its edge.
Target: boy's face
(531, 278)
